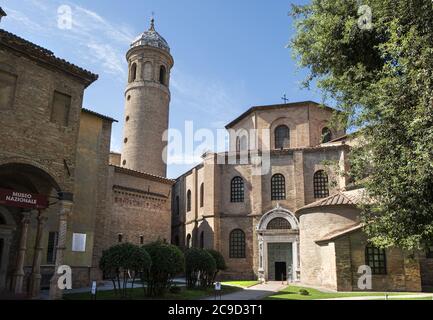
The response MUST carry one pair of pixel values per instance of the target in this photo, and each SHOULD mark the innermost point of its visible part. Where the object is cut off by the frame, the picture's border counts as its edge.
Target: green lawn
(137, 294)
(292, 293)
(244, 284)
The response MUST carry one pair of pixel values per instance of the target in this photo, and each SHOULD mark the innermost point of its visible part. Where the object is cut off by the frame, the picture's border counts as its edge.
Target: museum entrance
(279, 261)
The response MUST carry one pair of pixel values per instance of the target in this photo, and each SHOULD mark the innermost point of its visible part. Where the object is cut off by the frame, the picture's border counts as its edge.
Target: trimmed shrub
(220, 264)
(167, 262)
(304, 292)
(123, 262)
(199, 264)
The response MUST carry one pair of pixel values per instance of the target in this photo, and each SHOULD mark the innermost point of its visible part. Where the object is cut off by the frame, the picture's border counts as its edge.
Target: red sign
(26, 200)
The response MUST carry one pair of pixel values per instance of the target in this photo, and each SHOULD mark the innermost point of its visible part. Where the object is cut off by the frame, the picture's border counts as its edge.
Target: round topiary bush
(303, 292)
(199, 264)
(122, 261)
(167, 262)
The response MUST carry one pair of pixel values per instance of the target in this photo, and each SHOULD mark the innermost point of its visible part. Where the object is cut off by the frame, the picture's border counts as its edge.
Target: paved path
(256, 292)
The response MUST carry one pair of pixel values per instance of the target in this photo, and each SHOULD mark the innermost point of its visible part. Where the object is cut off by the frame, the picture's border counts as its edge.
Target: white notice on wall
(79, 242)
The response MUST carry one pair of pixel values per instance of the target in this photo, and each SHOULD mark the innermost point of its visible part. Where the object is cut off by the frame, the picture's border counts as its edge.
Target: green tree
(220, 264)
(378, 69)
(123, 262)
(199, 266)
(167, 262)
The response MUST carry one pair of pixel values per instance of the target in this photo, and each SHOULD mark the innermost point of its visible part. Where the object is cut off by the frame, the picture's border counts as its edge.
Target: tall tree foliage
(381, 77)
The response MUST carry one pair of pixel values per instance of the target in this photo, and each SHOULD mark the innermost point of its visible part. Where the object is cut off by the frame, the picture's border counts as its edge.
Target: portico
(278, 245)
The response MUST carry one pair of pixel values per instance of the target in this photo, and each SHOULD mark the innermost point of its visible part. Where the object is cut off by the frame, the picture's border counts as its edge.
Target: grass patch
(292, 293)
(243, 284)
(138, 294)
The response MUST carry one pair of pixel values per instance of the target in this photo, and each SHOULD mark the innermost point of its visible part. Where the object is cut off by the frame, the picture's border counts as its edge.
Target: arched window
(278, 224)
(188, 201)
(162, 75)
(320, 181)
(202, 195)
(326, 135)
(202, 240)
(237, 244)
(375, 258)
(278, 187)
(188, 241)
(177, 206)
(237, 190)
(282, 137)
(133, 74)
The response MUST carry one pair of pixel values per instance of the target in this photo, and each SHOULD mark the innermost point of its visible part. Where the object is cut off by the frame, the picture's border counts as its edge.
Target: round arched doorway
(278, 243)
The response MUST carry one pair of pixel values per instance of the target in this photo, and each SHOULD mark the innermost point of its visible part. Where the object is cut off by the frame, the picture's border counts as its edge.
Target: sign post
(217, 290)
(94, 290)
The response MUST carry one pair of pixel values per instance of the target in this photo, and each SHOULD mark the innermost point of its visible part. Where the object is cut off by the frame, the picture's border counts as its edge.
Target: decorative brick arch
(278, 212)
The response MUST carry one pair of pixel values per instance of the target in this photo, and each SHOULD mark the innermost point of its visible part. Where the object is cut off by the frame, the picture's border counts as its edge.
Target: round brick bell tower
(147, 104)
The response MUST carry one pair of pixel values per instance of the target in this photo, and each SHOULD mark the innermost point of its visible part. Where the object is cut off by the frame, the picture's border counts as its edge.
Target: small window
(188, 241)
(51, 247)
(133, 73)
(376, 259)
(202, 195)
(162, 75)
(188, 201)
(202, 240)
(60, 109)
(278, 187)
(141, 239)
(326, 135)
(127, 119)
(124, 162)
(237, 190)
(7, 90)
(177, 206)
(125, 140)
(237, 244)
(119, 237)
(282, 137)
(320, 181)
(278, 224)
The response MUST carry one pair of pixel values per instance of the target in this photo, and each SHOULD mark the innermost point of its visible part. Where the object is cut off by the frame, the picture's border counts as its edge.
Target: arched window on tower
(282, 137)
(133, 72)
(278, 187)
(321, 187)
(188, 201)
(326, 135)
(162, 75)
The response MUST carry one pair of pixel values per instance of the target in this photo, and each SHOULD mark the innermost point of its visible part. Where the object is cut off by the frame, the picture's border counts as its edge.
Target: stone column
(18, 277)
(65, 211)
(35, 285)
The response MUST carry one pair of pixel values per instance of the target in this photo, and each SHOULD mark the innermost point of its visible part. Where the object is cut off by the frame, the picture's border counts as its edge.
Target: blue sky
(229, 55)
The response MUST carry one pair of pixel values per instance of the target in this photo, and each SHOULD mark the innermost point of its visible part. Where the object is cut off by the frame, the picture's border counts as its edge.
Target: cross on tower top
(285, 99)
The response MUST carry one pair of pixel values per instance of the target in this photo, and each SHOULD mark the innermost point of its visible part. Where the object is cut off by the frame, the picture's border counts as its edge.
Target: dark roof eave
(274, 106)
(35, 52)
(98, 115)
(143, 175)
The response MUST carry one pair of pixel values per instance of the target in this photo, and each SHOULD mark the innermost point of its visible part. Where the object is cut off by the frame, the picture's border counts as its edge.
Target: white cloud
(92, 37)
